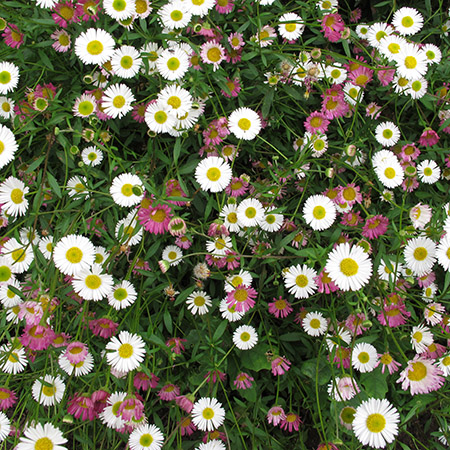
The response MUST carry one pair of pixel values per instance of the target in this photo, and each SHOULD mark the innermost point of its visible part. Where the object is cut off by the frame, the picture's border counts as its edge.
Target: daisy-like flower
(387, 134)
(8, 147)
(336, 73)
(62, 40)
(126, 61)
(73, 253)
(271, 222)
(411, 62)
(291, 26)
(159, 117)
(229, 312)
(280, 308)
(6, 108)
(146, 437)
(48, 392)
(92, 156)
(116, 100)
(219, 246)
(213, 174)
(126, 230)
(421, 338)
(245, 337)
(433, 53)
(420, 215)
(172, 63)
(390, 172)
(120, 9)
(443, 252)
(315, 324)
(342, 389)
(93, 284)
(244, 123)
(377, 32)
(417, 88)
(172, 254)
(229, 216)
(444, 365)
(179, 100)
(84, 106)
(376, 422)
(391, 271)
(12, 195)
(300, 281)
(420, 255)
(175, 15)
(407, 21)
(349, 267)
(125, 352)
(199, 302)
(9, 77)
(76, 369)
(207, 414)
(12, 360)
(17, 256)
(5, 424)
(77, 187)
(123, 295)
(242, 297)
(250, 213)
(94, 46)
(421, 376)
(42, 437)
(233, 281)
(364, 357)
(127, 190)
(319, 212)
(390, 46)
(428, 171)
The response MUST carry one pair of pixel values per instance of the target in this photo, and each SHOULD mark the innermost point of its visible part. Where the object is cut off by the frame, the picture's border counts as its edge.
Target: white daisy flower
(341, 337)
(101, 255)
(6, 273)
(127, 190)
(271, 222)
(207, 414)
(362, 30)
(8, 146)
(199, 8)
(336, 73)
(150, 53)
(390, 272)
(48, 392)
(126, 351)
(319, 212)
(364, 357)
(401, 85)
(18, 256)
(428, 171)
(84, 106)
(213, 174)
(216, 444)
(315, 324)
(433, 53)
(126, 230)
(420, 255)
(79, 369)
(116, 100)
(9, 77)
(250, 213)
(5, 426)
(300, 281)
(219, 246)
(123, 295)
(421, 338)
(160, 118)
(172, 63)
(178, 100)
(411, 62)
(12, 360)
(433, 313)
(77, 187)
(175, 15)
(46, 3)
(444, 365)
(349, 267)
(327, 5)
(443, 252)
(353, 94)
(8, 298)
(391, 45)
(233, 281)
(407, 21)
(376, 423)
(377, 32)
(342, 389)
(93, 284)
(92, 156)
(244, 123)
(387, 134)
(126, 61)
(390, 173)
(120, 9)
(12, 196)
(172, 254)
(199, 303)
(291, 26)
(73, 253)
(94, 46)
(108, 416)
(245, 337)
(37, 436)
(229, 216)
(6, 108)
(146, 437)
(229, 312)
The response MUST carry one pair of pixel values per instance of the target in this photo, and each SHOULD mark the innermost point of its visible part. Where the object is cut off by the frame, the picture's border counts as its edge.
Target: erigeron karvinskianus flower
(245, 337)
(213, 174)
(244, 123)
(8, 148)
(207, 414)
(319, 212)
(420, 255)
(125, 352)
(9, 77)
(12, 190)
(300, 281)
(126, 190)
(93, 284)
(94, 46)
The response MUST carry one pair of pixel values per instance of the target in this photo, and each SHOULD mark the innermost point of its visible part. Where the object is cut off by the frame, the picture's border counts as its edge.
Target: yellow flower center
(125, 351)
(94, 47)
(119, 5)
(126, 62)
(410, 62)
(349, 267)
(43, 443)
(319, 212)
(301, 281)
(5, 77)
(146, 440)
(389, 173)
(240, 295)
(315, 323)
(250, 212)
(244, 124)
(93, 282)
(199, 300)
(393, 48)
(375, 423)
(213, 174)
(418, 372)
(208, 413)
(363, 357)
(127, 190)
(420, 253)
(407, 21)
(17, 196)
(18, 255)
(245, 336)
(173, 63)
(176, 15)
(119, 101)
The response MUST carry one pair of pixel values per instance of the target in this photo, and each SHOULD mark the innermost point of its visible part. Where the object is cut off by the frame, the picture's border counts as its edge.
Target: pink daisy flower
(275, 415)
(238, 186)
(243, 381)
(176, 345)
(354, 323)
(291, 422)
(88, 10)
(131, 408)
(361, 76)
(421, 376)
(37, 337)
(236, 40)
(13, 36)
(428, 138)
(76, 352)
(232, 260)
(280, 365)
(62, 41)
(169, 392)
(386, 361)
(280, 307)
(155, 219)
(214, 435)
(81, 406)
(316, 123)
(409, 152)
(234, 86)
(332, 27)
(212, 52)
(138, 112)
(373, 110)
(375, 226)
(186, 426)
(173, 189)
(212, 376)
(325, 283)
(333, 103)
(350, 194)
(7, 398)
(64, 13)
(351, 219)
(183, 242)
(233, 56)
(100, 398)
(342, 357)
(355, 15)
(184, 403)
(224, 6)
(434, 351)
(385, 75)
(211, 135)
(103, 327)
(243, 298)
(393, 314)
(145, 382)
(410, 184)
(426, 280)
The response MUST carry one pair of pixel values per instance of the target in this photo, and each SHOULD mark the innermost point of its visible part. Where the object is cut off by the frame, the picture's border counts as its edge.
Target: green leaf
(248, 394)
(312, 370)
(54, 184)
(256, 359)
(168, 321)
(374, 384)
(291, 337)
(220, 330)
(177, 150)
(267, 103)
(45, 59)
